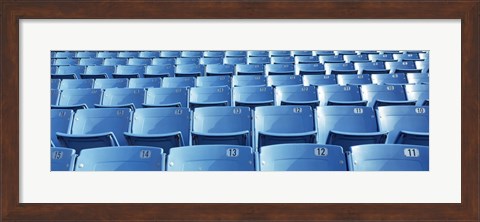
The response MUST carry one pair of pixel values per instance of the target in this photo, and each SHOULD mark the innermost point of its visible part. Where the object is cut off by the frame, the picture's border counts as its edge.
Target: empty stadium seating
(283, 110)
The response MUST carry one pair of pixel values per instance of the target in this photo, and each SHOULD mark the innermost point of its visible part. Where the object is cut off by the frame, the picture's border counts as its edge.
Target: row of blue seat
(203, 81)
(182, 70)
(173, 127)
(284, 157)
(409, 54)
(250, 96)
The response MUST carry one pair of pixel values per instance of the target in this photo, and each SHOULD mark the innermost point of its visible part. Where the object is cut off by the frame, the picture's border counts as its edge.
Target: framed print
(128, 36)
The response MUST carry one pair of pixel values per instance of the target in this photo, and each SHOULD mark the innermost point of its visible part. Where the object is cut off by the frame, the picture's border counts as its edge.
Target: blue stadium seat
(69, 72)
(296, 95)
(301, 53)
(60, 121)
(91, 62)
(86, 54)
(214, 54)
(210, 61)
(139, 62)
(319, 80)
(99, 72)
(249, 80)
(187, 61)
(402, 67)
(122, 98)
(211, 158)
(367, 52)
(222, 125)
(302, 157)
(76, 84)
(155, 71)
(284, 124)
(340, 95)
(166, 97)
(170, 54)
(62, 159)
(307, 60)
(310, 69)
(110, 83)
(280, 69)
(385, 95)
(160, 127)
(253, 96)
(65, 62)
(189, 70)
(323, 52)
(192, 54)
(258, 60)
(381, 58)
(78, 99)
(371, 68)
(128, 54)
(114, 61)
(107, 54)
(219, 69)
(407, 57)
(176, 82)
(424, 55)
(54, 83)
(340, 68)
(207, 81)
(163, 61)
(53, 69)
(284, 80)
(129, 71)
(345, 52)
(235, 54)
(256, 53)
(124, 158)
(389, 157)
(419, 93)
(97, 128)
(145, 83)
(54, 95)
(356, 58)
(392, 79)
(423, 65)
(279, 53)
(354, 79)
(210, 96)
(63, 54)
(235, 60)
(243, 69)
(283, 60)
(331, 59)
(405, 124)
(347, 126)
(418, 78)
(149, 54)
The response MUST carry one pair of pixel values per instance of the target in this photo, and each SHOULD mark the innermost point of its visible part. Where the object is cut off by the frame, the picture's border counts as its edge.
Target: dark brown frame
(11, 11)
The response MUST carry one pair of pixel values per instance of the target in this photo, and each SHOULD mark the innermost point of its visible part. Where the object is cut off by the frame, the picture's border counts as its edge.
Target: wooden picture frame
(12, 11)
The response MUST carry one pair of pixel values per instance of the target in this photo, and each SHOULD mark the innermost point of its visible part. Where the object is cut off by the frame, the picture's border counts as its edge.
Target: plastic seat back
(302, 157)
(250, 69)
(110, 83)
(176, 82)
(319, 80)
(419, 93)
(211, 158)
(253, 96)
(99, 71)
(258, 60)
(310, 69)
(62, 159)
(145, 83)
(377, 94)
(80, 97)
(123, 158)
(280, 69)
(210, 96)
(166, 97)
(340, 68)
(254, 80)
(127, 97)
(355, 79)
(405, 124)
(155, 71)
(284, 80)
(210, 61)
(389, 157)
(337, 95)
(220, 69)
(371, 68)
(189, 70)
(60, 121)
(396, 78)
(296, 95)
(207, 81)
(76, 84)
